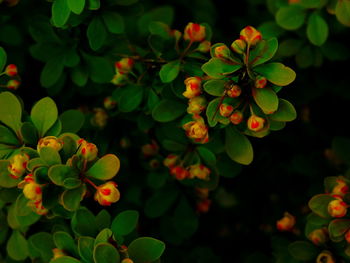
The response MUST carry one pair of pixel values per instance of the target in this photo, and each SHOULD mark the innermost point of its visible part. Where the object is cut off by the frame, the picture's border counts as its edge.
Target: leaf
(168, 110)
(215, 87)
(114, 22)
(50, 156)
(169, 71)
(317, 29)
(276, 73)
(3, 59)
(212, 112)
(159, 29)
(264, 51)
(10, 111)
(160, 202)
(291, 17)
(7, 136)
(338, 227)
(131, 98)
(342, 12)
(51, 72)
(185, 218)
(94, 4)
(285, 111)
(65, 242)
(43, 244)
(60, 12)
(103, 219)
(145, 249)
(17, 246)
(105, 168)
(206, 155)
(72, 121)
(29, 133)
(303, 250)
(44, 114)
(341, 147)
(85, 248)
(266, 99)
(84, 223)
(101, 70)
(319, 204)
(238, 147)
(218, 68)
(65, 259)
(76, 6)
(106, 253)
(70, 199)
(96, 33)
(125, 222)
(79, 76)
(59, 172)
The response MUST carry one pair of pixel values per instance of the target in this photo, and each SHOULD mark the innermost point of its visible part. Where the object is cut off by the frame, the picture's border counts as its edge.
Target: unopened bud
(239, 46)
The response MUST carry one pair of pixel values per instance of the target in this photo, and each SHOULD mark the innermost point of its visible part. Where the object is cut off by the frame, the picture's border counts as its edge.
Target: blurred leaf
(131, 98)
(10, 111)
(96, 33)
(168, 110)
(217, 68)
(3, 59)
(125, 222)
(303, 250)
(160, 202)
(72, 121)
(84, 223)
(145, 249)
(215, 87)
(291, 17)
(7, 136)
(85, 248)
(65, 259)
(319, 204)
(114, 22)
(337, 228)
(169, 71)
(106, 253)
(60, 12)
(70, 199)
(285, 111)
(342, 12)
(50, 156)
(29, 133)
(76, 6)
(238, 147)
(17, 246)
(51, 72)
(65, 242)
(317, 29)
(266, 99)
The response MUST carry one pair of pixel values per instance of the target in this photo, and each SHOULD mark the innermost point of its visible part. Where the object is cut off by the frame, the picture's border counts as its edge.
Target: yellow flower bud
(13, 84)
(100, 118)
(222, 52)
(179, 172)
(150, 149)
(196, 105)
(87, 150)
(193, 87)
(119, 79)
(194, 32)
(340, 188)
(57, 253)
(239, 46)
(171, 160)
(325, 257)
(37, 207)
(250, 35)
(199, 171)
(11, 70)
(109, 103)
(197, 130)
(107, 193)
(18, 165)
(337, 208)
(236, 117)
(176, 34)
(260, 82)
(255, 123)
(127, 260)
(319, 236)
(234, 91)
(204, 46)
(31, 190)
(225, 110)
(50, 141)
(124, 65)
(286, 223)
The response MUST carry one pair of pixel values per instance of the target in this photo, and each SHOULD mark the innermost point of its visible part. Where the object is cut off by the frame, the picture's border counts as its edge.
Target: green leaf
(50, 156)
(106, 253)
(71, 57)
(303, 250)
(342, 12)
(317, 29)
(145, 249)
(70, 199)
(276, 73)
(84, 223)
(159, 29)
(79, 76)
(105, 168)
(264, 51)
(59, 172)
(60, 12)
(215, 87)
(218, 68)
(94, 4)
(238, 146)
(285, 111)
(96, 33)
(5, 180)
(29, 133)
(101, 70)
(10, 111)
(76, 6)
(319, 204)
(169, 71)
(65, 259)
(289, 47)
(206, 155)
(72, 121)
(85, 248)
(213, 115)
(43, 243)
(7, 136)
(55, 129)
(125, 222)
(341, 147)
(65, 242)
(291, 17)
(266, 99)
(131, 98)
(17, 246)
(103, 219)
(114, 22)
(160, 202)
(44, 114)
(338, 227)
(3, 59)
(185, 218)
(168, 110)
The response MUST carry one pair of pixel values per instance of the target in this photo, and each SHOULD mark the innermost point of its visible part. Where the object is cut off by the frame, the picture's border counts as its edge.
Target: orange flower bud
(87, 150)
(319, 236)
(325, 257)
(50, 141)
(38, 207)
(204, 46)
(202, 193)
(236, 117)
(250, 35)
(199, 171)
(347, 236)
(286, 223)
(11, 70)
(109, 103)
(203, 206)
(222, 51)
(193, 87)
(340, 188)
(176, 34)
(31, 190)
(107, 193)
(255, 123)
(171, 160)
(58, 253)
(337, 208)
(100, 118)
(150, 149)
(197, 130)
(119, 79)
(124, 65)
(13, 84)
(127, 260)
(260, 82)
(239, 46)
(18, 165)
(234, 92)
(194, 32)
(196, 105)
(225, 110)
(179, 172)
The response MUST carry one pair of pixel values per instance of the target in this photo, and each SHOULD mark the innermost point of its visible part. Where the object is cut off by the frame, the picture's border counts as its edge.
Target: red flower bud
(260, 82)
(171, 160)
(222, 51)
(107, 194)
(109, 103)
(319, 236)
(337, 208)
(193, 87)
(11, 70)
(13, 84)
(255, 123)
(234, 92)
(287, 222)
(250, 35)
(325, 257)
(179, 172)
(203, 206)
(194, 32)
(236, 117)
(225, 110)
(124, 65)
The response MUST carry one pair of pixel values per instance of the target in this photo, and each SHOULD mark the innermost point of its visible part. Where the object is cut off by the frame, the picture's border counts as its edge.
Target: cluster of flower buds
(286, 223)
(175, 165)
(197, 33)
(197, 130)
(99, 118)
(12, 72)
(203, 202)
(122, 67)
